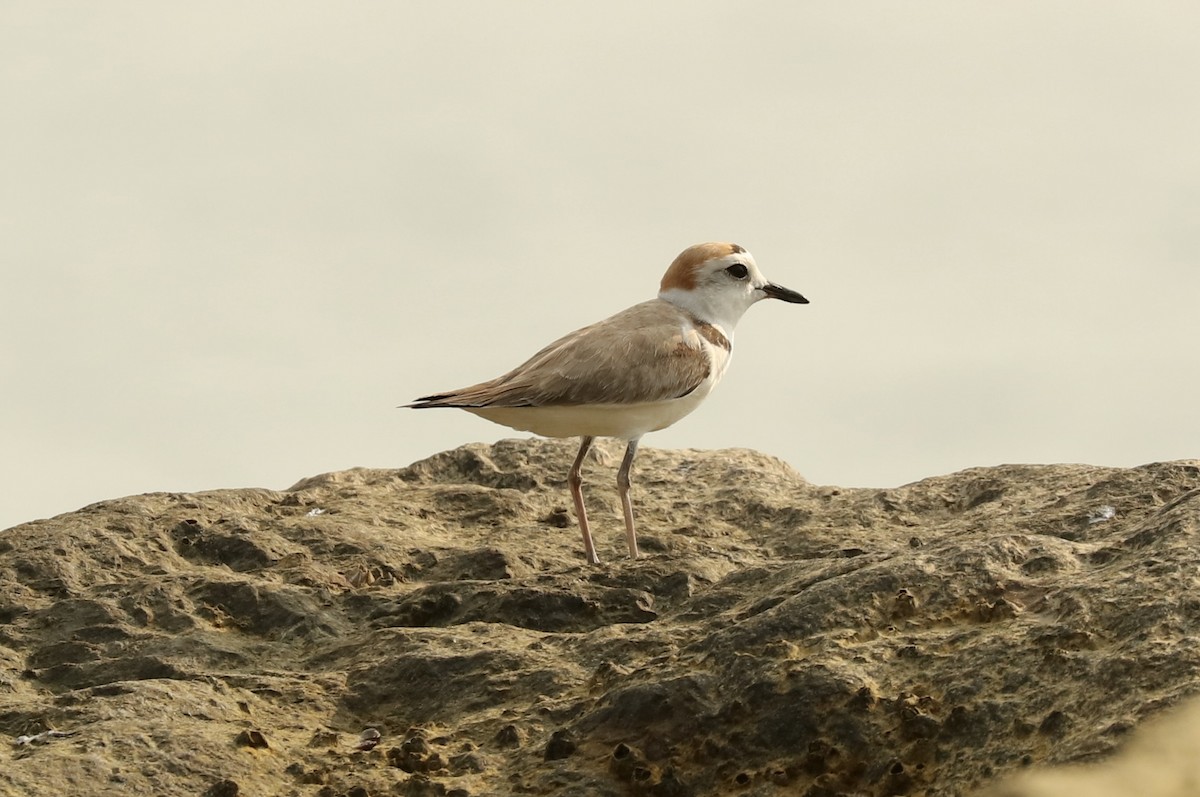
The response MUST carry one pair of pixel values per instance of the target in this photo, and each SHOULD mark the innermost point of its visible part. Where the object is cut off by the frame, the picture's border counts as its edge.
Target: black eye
(738, 271)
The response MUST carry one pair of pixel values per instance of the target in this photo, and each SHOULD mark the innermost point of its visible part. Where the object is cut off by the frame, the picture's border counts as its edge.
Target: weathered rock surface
(434, 630)
(1162, 760)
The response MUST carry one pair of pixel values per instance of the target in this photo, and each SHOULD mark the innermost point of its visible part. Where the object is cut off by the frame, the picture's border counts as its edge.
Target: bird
(636, 372)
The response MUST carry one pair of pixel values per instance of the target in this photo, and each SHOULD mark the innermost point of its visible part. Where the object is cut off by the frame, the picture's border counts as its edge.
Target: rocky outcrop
(434, 630)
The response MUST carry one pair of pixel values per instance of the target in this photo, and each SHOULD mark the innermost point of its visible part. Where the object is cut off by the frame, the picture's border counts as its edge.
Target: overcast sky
(234, 236)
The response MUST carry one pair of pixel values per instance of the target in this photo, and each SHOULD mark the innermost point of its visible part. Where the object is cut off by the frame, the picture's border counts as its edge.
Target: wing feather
(646, 353)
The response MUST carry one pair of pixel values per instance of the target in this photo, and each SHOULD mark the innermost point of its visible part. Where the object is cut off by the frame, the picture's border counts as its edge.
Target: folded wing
(650, 352)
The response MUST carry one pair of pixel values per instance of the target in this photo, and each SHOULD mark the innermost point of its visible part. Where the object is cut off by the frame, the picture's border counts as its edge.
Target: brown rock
(776, 635)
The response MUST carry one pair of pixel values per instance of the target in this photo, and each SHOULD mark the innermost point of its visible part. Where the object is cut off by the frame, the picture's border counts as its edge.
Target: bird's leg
(626, 504)
(575, 481)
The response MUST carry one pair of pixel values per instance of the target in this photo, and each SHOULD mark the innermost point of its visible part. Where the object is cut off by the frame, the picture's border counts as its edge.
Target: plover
(638, 371)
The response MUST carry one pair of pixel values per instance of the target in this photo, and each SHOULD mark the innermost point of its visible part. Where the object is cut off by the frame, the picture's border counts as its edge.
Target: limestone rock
(778, 637)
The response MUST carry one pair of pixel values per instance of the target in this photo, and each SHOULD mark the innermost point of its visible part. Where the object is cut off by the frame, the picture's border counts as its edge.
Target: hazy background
(233, 237)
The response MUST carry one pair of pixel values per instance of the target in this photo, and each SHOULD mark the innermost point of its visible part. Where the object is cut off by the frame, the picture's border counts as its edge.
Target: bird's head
(717, 283)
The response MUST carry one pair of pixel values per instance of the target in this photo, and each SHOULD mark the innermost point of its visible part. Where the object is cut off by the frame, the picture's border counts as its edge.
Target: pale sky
(234, 236)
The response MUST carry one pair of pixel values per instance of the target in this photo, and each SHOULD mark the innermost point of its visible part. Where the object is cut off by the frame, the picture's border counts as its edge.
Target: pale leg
(575, 481)
(626, 504)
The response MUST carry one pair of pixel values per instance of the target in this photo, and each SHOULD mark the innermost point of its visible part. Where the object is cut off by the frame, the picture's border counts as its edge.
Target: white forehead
(703, 259)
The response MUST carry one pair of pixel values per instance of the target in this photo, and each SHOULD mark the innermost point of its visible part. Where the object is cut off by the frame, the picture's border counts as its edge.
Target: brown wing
(646, 353)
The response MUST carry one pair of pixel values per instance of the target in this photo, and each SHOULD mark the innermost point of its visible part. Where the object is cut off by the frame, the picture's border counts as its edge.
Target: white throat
(721, 309)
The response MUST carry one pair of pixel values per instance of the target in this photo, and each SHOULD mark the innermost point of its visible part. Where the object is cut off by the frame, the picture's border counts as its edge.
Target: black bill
(786, 294)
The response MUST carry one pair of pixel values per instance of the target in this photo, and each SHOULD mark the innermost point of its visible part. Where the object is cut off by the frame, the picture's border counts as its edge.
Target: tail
(495, 393)
(436, 400)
